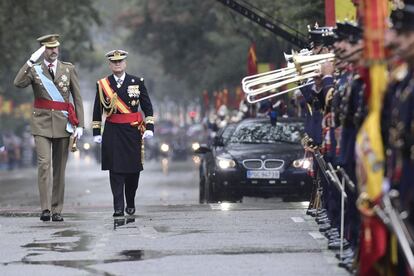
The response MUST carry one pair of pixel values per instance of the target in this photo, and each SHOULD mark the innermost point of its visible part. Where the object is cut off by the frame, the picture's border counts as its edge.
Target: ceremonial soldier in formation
(119, 96)
(319, 44)
(351, 110)
(53, 120)
(399, 102)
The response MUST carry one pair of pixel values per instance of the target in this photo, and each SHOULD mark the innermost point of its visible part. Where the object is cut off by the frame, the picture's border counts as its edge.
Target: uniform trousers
(123, 183)
(51, 152)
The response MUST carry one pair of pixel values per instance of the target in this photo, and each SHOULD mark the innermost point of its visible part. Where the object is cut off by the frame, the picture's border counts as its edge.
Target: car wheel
(211, 193)
(202, 191)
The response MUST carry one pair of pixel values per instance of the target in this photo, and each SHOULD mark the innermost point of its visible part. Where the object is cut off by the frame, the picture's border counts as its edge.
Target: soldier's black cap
(402, 17)
(348, 31)
(320, 36)
(340, 31)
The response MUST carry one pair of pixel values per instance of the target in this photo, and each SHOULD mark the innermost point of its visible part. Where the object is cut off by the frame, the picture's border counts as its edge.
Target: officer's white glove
(78, 132)
(36, 55)
(97, 139)
(147, 134)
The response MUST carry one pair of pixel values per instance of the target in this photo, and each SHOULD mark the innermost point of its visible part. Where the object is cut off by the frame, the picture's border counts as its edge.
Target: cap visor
(116, 58)
(51, 44)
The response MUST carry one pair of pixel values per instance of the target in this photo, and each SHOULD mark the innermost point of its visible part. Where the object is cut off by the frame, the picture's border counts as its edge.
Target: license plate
(263, 174)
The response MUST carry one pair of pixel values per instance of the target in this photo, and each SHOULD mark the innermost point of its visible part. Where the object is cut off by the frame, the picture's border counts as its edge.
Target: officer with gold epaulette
(53, 120)
(119, 96)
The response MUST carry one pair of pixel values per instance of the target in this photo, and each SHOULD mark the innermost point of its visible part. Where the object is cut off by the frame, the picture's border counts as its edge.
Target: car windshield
(227, 132)
(265, 133)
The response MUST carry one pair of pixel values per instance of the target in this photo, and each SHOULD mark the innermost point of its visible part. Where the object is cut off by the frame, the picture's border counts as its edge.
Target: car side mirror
(218, 142)
(202, 149)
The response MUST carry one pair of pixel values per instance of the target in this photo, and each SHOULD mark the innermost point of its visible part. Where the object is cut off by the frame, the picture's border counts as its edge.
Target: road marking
(297, 219)
(316, 235)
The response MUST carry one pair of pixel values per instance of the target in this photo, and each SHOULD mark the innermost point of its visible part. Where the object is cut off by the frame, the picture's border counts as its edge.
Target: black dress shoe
(311, 212)
(324, 227)
(57, 217)
(323, 221)
(45, 216)
(118, 213)
(130, 211)
(346, 253)
(336, 245)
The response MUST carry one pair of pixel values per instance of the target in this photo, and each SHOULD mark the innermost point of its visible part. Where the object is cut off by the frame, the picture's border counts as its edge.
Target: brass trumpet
(305, 68)
(283, 73)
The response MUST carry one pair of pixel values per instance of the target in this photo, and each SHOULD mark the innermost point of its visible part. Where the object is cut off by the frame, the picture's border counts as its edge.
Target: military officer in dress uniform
(400, 139)
(53, 120)
(119, 96)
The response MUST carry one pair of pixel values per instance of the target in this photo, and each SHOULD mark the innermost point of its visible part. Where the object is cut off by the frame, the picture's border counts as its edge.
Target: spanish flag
(369, 147)
(252, 61)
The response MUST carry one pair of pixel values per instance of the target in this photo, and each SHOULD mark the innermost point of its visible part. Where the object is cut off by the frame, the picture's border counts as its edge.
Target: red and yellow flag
(369, 147)
(252, 61)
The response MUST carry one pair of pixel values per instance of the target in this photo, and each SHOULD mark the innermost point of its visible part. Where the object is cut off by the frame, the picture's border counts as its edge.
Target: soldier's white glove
(36, 55)
(147, 134)
(97, 139)
(78, 132)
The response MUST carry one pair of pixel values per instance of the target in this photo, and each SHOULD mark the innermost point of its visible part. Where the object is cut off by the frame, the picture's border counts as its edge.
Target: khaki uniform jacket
(45, 122)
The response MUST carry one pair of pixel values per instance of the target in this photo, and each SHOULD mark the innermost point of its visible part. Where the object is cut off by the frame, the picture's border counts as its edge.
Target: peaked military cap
(348, 30)
(354, 31)
(320, 36)
(50, 40)
(116, 55)
(340, 31)
(402, 17)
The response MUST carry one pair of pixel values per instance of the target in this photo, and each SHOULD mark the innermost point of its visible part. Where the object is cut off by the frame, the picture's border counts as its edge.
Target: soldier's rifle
(329, 172)
(349, 183)
(394, 220)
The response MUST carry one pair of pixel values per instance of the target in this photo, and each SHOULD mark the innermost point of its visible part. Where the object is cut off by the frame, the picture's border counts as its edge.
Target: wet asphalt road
(171, 234)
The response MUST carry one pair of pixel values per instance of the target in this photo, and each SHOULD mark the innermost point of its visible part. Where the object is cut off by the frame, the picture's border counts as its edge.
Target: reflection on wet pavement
(72, 246)
(118, 222)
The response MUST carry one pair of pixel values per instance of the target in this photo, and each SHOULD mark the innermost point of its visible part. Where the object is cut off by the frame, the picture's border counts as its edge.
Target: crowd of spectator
(16, 151)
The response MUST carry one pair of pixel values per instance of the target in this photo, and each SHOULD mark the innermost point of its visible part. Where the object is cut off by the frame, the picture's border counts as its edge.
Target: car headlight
(86, 146)
(164, 147)
(304, 163)
(195, 146)
(225, 163)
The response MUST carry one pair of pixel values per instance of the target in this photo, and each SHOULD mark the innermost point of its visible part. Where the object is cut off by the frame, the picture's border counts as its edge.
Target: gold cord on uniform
(111, 105)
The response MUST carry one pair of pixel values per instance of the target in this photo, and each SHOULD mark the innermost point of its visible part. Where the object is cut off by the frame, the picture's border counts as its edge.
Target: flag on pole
(369, 147)
(252, 60)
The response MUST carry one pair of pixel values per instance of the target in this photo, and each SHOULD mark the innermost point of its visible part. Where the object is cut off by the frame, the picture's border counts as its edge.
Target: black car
(255, 158)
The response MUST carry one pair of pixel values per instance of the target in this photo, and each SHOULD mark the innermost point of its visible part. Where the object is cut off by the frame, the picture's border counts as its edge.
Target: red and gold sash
(109, 93)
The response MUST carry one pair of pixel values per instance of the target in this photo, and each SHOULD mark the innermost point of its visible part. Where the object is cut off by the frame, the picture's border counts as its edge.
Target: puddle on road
(73, 246)
(133, 255)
